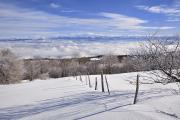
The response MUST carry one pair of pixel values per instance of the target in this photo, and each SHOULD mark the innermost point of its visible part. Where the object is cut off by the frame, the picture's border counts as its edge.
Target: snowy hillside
(68, 98)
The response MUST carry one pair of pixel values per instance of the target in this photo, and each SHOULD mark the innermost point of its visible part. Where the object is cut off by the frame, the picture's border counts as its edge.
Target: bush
(11, 68)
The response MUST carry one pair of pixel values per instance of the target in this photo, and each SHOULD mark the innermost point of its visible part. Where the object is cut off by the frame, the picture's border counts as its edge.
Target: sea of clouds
(68, 48)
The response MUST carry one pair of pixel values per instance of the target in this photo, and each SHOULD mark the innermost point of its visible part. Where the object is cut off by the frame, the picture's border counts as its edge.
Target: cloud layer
(68, 48)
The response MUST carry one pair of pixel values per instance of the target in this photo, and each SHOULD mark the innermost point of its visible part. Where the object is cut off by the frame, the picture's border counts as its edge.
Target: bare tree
(73, 67)
(162, 57)
(55, 72)
(11, 68)
(93, 67)
(33, 69)
(109, 61)
(64, 67)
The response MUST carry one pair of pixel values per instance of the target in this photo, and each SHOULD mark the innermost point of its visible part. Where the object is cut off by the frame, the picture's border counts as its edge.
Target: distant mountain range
(87, 38)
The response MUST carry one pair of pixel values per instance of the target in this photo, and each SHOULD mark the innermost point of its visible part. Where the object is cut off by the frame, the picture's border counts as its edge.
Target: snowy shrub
(11, 68)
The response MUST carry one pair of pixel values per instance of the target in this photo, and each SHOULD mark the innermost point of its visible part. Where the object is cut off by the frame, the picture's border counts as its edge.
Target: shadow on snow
(100, 102)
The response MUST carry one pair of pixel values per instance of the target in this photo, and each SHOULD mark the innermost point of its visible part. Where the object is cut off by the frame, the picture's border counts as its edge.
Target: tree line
(13, 69)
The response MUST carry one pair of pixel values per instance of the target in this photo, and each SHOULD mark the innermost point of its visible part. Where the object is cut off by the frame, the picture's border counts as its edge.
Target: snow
(70, 99)
(95, 59)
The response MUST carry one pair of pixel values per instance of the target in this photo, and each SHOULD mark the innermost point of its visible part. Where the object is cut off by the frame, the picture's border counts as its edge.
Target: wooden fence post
(102, 82)
(89, 81)
(96, 83)
(137, 90)
(107, 85)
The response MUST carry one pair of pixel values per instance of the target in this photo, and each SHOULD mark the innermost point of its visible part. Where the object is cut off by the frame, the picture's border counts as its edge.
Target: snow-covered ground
(69, 99)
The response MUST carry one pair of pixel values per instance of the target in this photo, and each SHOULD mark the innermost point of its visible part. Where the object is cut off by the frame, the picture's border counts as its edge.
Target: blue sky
(51, 18)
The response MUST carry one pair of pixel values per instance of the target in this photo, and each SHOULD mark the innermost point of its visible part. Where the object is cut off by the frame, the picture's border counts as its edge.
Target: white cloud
(171, 11)
(160, 9)
(122, 20)
(25, 22)
(54, 5)
(174, 20)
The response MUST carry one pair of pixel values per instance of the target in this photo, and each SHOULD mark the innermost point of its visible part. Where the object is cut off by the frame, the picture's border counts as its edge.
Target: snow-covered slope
(68, 98)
